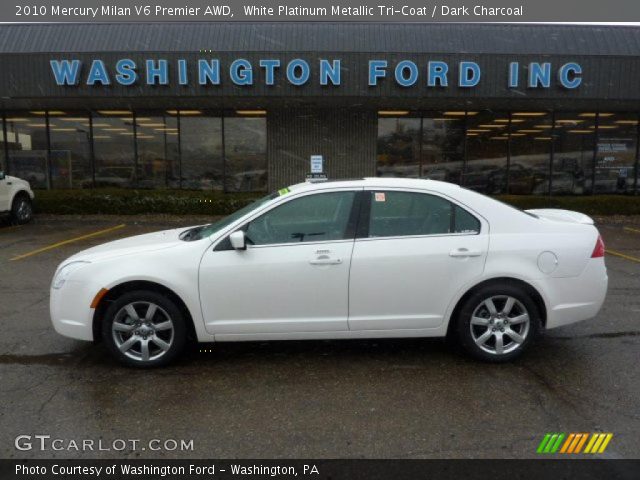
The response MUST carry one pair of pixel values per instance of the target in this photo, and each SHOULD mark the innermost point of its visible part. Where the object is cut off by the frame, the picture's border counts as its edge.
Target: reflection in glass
(530, 153)
(574, 136)
(616, 153)
(487, 143)
(398, 147)
(246, 153)
(3, 159)
(157, 146)
(114, 150)
(27, 146)
(70, 138)
(443, 147)
(201, 147)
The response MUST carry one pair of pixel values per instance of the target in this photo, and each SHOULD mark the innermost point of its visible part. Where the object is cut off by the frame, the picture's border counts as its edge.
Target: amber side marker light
(99, 296)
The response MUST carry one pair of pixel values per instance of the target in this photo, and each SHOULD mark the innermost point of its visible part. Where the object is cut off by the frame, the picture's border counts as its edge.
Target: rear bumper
(579, 298)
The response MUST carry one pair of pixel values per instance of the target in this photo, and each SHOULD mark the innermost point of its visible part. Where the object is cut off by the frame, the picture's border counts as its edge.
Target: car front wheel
(21, 209)
(497, 323)
(144, 329)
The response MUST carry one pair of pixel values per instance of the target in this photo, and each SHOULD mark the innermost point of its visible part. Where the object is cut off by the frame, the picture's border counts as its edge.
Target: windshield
(199, 233)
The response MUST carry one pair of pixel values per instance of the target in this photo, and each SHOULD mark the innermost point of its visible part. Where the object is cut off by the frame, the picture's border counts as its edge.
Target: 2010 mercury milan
(368, 258)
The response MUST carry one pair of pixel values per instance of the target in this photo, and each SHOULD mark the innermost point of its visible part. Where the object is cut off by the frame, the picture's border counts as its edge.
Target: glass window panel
(312, 218)
(70, 151)
(3, 160)
(157, 144)
(530, 148)
(573, 156)
(246, 153)
(27, 144)
(465, 222)
(201, 147)
(403, 213)
(114, 150)
(442, 147)
(616, 153)
(487, 143)
(398, 147)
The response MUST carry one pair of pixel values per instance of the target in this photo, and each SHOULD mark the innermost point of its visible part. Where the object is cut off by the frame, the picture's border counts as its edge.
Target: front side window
(313, 218)
(396, 214)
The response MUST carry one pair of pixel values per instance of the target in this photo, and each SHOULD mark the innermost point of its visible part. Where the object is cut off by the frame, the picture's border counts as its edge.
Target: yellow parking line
(66, 242)
(629, 229)
(622, 255)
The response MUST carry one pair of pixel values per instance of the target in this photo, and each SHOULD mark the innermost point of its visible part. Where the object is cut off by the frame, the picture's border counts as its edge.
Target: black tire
(468, 336)
(151, 331)
(21, 209)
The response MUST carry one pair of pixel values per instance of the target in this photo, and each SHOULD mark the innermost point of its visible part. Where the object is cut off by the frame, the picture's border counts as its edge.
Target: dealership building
(520, 109)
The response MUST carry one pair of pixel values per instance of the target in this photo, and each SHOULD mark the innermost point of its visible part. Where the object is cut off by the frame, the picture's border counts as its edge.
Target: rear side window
(407, 213)
(465, 222)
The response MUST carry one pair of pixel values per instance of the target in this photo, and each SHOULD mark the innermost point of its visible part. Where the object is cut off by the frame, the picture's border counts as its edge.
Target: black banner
(548, 469)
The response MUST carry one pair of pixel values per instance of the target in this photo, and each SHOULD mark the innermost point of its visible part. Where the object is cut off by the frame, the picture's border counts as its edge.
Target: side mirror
(2, 175)
(238, 241)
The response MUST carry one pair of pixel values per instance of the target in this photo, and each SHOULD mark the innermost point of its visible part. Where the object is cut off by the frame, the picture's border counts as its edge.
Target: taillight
(598, 251)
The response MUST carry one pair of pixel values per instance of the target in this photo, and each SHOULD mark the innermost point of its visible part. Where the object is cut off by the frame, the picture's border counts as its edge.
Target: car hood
(131, 245)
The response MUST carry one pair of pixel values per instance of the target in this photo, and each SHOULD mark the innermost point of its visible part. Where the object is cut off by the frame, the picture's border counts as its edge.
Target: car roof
(379, 182)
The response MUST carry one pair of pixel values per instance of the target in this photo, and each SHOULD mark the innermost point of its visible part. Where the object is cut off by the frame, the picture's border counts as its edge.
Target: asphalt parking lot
(358, 399)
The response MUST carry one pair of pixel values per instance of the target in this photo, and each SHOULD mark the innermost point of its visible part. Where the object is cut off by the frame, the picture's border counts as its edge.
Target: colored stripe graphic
(567, 443)
(556, 445)
(550, 443)
(543, 443)
(573, 443)
(598, 442)
(581, 443)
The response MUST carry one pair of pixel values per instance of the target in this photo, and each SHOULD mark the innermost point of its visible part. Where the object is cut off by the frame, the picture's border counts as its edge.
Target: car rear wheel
(497, 323)
(21, 209)
(144, 329)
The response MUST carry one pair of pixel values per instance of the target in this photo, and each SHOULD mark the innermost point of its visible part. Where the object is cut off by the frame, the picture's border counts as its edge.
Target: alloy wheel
(500, 324)
(143, 331)
(24, 210)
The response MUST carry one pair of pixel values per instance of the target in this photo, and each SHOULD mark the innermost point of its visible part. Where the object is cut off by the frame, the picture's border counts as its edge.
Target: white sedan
(368, 258)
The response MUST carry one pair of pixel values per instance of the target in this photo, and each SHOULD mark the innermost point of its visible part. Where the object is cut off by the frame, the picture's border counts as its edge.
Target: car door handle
(464, 252)
(325, 260)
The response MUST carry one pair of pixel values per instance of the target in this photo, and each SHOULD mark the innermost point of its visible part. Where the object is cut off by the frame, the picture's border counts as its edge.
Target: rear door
(414, 251)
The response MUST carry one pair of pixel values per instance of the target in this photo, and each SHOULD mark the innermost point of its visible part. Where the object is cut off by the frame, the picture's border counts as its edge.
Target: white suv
(16, 198)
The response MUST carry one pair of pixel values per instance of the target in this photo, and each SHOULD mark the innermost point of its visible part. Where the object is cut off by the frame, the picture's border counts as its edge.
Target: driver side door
(293, 276)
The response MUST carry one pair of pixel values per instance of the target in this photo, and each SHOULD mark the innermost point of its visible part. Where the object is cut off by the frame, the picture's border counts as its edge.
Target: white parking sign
(316, 163)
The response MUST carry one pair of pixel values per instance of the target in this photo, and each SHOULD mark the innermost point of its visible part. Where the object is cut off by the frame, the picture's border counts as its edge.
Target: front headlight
(63, 273)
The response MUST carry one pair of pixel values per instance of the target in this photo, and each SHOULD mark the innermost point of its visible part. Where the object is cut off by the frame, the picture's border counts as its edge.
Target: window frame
(364, 220)
(352, 223)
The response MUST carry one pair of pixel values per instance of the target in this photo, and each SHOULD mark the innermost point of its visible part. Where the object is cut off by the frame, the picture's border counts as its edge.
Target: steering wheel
(260, 231)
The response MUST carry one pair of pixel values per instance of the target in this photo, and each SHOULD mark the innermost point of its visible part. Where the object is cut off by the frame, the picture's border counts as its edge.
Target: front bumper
(70, 310)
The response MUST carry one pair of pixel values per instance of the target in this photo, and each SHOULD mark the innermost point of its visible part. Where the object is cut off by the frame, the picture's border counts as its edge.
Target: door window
(406, 213)
(313, 218)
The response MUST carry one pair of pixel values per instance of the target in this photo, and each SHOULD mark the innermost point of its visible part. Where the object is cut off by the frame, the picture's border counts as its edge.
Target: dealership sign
(242, 72)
